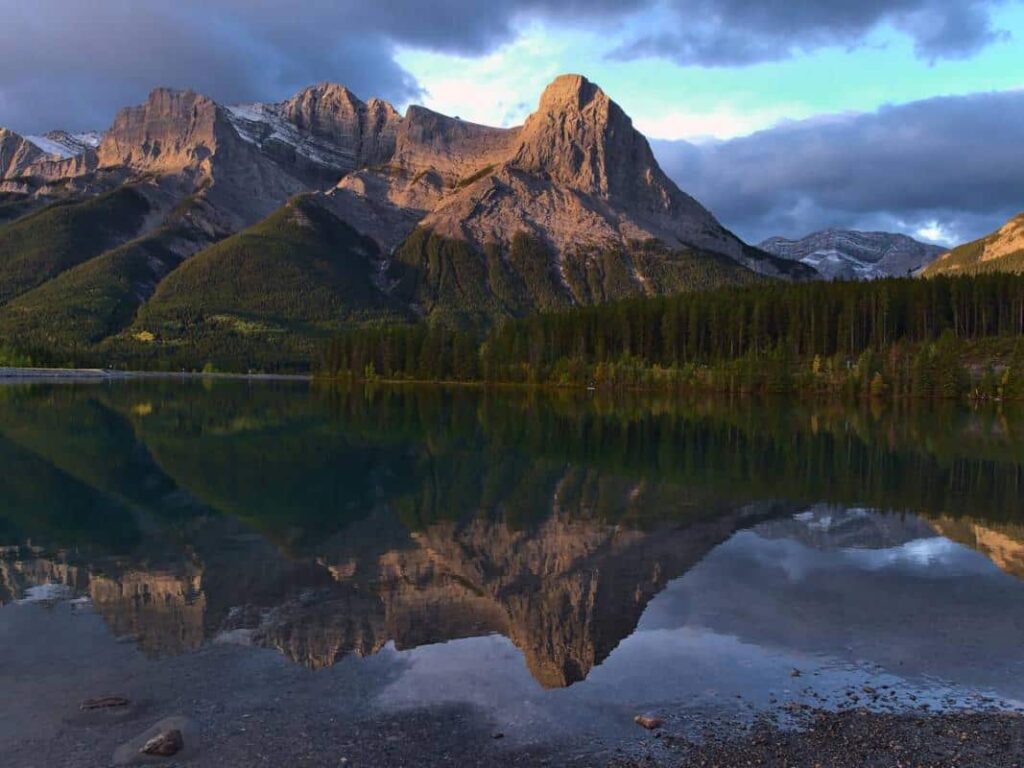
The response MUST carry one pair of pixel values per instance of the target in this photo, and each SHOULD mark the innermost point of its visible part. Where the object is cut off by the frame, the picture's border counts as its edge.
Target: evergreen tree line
(886, 337)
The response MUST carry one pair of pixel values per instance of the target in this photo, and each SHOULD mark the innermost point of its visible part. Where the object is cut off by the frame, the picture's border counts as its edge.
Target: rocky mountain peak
(573, 91)
(171, 131)
(323, 109)
(16, 154)
(580, 137)
(375, 105)
(363, 132)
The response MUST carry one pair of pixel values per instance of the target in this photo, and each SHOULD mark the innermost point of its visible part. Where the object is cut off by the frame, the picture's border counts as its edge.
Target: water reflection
(328, 524)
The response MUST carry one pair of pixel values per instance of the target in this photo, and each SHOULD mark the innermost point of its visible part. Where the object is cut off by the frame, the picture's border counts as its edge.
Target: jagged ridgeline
(841, 254)
(245, 235)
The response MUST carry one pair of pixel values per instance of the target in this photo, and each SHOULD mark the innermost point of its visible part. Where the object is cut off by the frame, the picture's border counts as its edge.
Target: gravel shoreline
(240, 706)
(853, 739)
(455, 737)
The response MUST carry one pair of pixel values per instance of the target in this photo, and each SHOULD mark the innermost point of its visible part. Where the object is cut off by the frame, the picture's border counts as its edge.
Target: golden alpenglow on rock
(525, 383)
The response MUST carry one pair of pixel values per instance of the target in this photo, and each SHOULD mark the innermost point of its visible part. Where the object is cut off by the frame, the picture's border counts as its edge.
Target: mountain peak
(329, 88)
(569, 90)
(16, 153)
(326, 97)
(164, 95)
(172, 130)
(580, 137)
(332, 113)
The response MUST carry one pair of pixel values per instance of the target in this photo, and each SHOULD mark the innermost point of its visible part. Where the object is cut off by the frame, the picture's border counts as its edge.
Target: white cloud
(723, 122)
(500, 88)
(936, 232)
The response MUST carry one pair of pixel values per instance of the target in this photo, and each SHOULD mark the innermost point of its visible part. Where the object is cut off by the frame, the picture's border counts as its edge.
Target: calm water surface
(554, 565)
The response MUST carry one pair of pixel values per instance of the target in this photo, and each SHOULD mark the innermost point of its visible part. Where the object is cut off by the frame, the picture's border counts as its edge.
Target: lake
(309, 576)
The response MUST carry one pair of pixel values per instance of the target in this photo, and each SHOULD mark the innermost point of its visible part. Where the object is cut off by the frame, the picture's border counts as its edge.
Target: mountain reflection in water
(328, 523)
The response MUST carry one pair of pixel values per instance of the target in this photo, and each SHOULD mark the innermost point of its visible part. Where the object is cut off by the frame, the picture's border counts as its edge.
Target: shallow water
(552, 565)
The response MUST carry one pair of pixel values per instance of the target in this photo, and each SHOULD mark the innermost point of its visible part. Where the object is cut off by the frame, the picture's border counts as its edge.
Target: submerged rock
(175, 736)
(164, 744)
(104, 702)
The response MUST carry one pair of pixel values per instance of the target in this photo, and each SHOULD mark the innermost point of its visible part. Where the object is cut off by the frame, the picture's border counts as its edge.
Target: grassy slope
(41, 245)
(263, 297)
(14, 206)
(667, 272)
(966, 259)
(78, 293)
(299, 265)
(450, 281)
(93, 300)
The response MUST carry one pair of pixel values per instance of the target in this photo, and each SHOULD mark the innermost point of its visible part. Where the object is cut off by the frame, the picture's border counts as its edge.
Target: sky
(781, 117)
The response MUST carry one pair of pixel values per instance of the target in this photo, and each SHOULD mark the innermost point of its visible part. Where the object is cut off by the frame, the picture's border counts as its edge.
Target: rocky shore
(855, 738)
(455, 737)
(224, 706)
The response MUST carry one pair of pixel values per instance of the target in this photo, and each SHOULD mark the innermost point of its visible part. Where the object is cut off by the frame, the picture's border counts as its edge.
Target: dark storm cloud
(739, 32)
(73, 63)
(955, 160)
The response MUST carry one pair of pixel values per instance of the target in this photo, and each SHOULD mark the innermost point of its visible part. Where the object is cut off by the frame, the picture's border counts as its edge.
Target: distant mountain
(843, 254)
(420, 215)
(1002, 251)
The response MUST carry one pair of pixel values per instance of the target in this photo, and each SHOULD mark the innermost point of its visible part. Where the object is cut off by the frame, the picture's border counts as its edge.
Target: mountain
(42, 245)
(300, 264)
(843, 254)
(1001, 251)
(580, 173)
(16, 154)
(424, 215)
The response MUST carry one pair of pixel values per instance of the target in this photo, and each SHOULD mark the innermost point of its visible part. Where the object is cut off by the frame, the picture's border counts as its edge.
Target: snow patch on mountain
(840, 254)
(65, 145)
(264, 125)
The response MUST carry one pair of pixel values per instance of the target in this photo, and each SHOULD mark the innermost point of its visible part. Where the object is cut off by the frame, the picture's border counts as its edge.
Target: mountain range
(843, 254)
(189, 227)
(188, 222)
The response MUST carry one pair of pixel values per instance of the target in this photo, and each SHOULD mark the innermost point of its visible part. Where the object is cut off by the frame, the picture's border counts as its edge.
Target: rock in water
(650, 722)
(164, 744)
